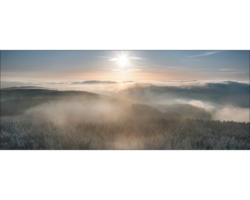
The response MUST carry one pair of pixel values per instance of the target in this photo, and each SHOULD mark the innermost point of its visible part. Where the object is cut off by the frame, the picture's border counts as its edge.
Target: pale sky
(140, 65)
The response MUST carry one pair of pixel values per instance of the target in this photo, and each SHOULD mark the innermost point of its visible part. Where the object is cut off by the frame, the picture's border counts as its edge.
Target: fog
(222, 113)
(73, 112)
(221, 94)
(230, 113)
(224, 101)
(138, 116)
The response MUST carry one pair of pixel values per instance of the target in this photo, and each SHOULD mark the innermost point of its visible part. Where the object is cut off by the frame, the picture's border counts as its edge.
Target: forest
(41, 118)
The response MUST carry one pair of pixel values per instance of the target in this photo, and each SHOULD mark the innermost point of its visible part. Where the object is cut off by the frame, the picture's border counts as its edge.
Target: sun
(122, 60)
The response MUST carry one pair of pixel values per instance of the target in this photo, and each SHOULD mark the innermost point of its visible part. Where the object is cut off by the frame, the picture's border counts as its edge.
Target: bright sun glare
(122, 60)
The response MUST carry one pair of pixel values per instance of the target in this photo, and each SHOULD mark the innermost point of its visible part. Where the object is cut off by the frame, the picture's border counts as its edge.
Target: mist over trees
(223, 93)
(140, 117)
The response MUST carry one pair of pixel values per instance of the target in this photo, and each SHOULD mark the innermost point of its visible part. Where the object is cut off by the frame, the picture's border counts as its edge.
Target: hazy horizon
(121, 66)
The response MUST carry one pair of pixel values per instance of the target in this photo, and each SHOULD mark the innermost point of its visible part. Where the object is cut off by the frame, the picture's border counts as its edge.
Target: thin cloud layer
(94, 82)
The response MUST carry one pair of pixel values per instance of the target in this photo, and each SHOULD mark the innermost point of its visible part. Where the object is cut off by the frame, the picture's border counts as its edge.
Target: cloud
(228, 70)
(209, 53)
(94, 82)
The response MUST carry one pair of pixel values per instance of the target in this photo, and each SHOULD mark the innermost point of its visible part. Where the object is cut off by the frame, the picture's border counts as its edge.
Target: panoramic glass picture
(132, 100)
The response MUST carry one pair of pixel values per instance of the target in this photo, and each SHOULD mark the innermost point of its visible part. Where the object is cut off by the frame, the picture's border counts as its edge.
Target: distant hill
(233, 93)
(15, 100)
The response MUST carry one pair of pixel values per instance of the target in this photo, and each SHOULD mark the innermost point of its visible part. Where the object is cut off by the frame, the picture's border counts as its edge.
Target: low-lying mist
(230, 113)
(138, 117)
(71, 112)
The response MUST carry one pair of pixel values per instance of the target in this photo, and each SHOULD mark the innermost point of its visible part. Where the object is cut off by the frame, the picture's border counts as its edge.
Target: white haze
(73, 112)
(225, 113)
(231, 113)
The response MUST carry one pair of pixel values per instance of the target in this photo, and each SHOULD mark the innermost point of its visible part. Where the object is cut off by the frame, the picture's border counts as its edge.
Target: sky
(112, 65)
